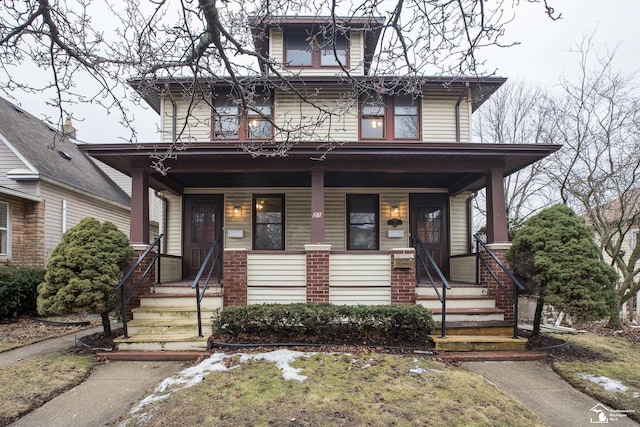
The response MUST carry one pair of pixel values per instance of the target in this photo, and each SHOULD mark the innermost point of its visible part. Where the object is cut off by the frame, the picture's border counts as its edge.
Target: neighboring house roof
(46, 153)
(19, 194)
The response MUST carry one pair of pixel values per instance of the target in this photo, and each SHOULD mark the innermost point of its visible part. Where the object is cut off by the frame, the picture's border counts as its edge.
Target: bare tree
(516, 115)
(597, 119)
(193, 42)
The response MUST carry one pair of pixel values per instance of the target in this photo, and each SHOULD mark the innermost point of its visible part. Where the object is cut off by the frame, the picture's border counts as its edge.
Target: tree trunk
(537, 318)
(614, 316)
(106, 323)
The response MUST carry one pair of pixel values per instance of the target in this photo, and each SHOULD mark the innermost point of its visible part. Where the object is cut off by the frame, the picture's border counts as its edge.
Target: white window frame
(6, 228)
(635, 234)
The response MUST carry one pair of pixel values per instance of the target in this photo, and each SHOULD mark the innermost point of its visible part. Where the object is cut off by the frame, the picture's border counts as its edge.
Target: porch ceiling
(455, 166)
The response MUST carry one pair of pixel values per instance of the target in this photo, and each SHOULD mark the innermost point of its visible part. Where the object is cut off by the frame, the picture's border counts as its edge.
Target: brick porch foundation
(235, 277)
(317, 273)
(494, 290)
(403, 280)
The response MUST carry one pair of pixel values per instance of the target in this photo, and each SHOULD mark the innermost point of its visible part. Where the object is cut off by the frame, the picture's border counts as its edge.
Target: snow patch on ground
(216, 362)
(607, 383)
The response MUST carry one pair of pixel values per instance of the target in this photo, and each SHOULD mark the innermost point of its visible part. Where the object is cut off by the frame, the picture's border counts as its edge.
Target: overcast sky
(543, 57)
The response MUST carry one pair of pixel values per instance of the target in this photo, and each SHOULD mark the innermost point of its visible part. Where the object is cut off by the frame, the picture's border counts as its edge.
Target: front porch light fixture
(237, 211)
(395, 216)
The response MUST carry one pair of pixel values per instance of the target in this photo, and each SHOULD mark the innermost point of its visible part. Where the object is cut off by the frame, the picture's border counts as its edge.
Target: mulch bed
(555, 348)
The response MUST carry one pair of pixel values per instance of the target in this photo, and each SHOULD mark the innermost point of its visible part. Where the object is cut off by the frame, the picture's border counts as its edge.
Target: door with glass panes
(429, 222)
(202, 226)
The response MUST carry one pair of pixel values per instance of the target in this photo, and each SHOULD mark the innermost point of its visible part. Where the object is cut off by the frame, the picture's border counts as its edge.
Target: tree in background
(516, 114)
(597, 172)
(83, 271)
(556, 257)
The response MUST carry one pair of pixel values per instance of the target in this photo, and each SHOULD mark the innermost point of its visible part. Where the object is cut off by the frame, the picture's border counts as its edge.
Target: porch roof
(455, 166)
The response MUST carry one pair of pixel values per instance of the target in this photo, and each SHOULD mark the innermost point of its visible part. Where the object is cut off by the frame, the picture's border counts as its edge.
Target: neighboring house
(47, 186)
(295, 229)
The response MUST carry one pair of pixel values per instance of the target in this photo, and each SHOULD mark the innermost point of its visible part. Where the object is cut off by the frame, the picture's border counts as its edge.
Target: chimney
(68, 128)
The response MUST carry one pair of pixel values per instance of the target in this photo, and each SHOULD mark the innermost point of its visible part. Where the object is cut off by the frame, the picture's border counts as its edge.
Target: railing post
(198, 310)
(124, 312)
(444, 312)
(515, 312)
(477, 262)
(159, 276)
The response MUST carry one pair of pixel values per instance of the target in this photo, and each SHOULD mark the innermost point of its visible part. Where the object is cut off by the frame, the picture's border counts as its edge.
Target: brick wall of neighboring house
(235, 277)
(27, 232)
(403, 280)
(494, 290)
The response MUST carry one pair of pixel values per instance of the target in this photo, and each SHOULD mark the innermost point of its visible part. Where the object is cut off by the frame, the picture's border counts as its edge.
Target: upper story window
(305, 48)
(362, 220)
(4, 228)
(268, 221)
(231, 121)
(390, 117)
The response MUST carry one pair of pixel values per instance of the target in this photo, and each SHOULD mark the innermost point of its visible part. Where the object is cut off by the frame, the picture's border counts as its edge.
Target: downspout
(462, 95)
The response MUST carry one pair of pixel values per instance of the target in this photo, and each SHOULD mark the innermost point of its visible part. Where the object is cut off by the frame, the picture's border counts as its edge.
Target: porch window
(268, 221)
(233, 121)
(362, 218)
(401, 123)
(306, 47)
(4, 228)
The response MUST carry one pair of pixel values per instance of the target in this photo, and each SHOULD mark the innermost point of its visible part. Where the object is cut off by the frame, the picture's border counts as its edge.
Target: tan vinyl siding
(363, 279)
(198, 126)
(276, 270)
(439, 117)
(78, 208)
(368, 270)
(276, 278)
(463, 269)
(8, 161)
(174, 225)
(459, 224)
(328, 115)
(356, 50)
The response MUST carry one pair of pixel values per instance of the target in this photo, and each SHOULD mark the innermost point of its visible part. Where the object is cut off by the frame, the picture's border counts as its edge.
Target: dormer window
(324, 48)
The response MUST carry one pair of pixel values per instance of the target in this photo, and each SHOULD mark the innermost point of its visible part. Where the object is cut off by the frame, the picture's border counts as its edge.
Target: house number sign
(316, 215)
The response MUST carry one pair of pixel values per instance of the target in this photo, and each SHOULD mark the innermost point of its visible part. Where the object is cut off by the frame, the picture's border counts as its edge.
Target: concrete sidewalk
(544, 392)
(108, 393)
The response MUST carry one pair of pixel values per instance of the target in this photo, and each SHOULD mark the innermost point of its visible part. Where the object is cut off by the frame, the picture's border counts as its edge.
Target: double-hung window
(315, 48)
(390, 117)
(362, 221)
(268, 221)
(4, 229)
(234, 119)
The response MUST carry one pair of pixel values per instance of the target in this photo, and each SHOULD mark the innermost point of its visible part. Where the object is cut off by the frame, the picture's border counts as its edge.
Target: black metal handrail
(196, 281)
(121, 286)
(516, 289)
(421, 250)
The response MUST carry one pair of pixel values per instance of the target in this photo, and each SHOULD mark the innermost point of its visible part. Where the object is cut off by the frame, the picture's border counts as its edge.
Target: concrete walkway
(545, 393)
(102, 398)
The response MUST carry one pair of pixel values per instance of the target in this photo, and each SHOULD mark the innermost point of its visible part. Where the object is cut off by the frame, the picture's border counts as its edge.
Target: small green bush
(18, 289)
(327, 323)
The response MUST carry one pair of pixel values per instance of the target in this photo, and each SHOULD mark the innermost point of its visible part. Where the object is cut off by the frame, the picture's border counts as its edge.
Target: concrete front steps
(473, 322)
(167, 320)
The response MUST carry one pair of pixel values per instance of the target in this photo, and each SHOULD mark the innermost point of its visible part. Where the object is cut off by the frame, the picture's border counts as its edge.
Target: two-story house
(375, 166)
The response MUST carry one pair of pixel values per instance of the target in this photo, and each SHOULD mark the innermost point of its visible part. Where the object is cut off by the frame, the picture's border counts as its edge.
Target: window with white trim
(634, 238)
(4, 228)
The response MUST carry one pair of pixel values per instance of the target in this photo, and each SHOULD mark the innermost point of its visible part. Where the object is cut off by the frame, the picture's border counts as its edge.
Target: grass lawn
(28, 384)
(365, 389)
(623, 367)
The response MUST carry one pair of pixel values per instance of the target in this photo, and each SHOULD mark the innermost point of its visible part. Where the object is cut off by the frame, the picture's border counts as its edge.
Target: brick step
(479, 343)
